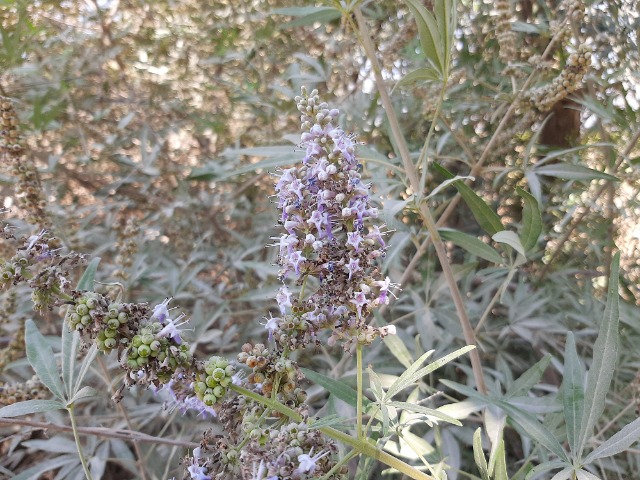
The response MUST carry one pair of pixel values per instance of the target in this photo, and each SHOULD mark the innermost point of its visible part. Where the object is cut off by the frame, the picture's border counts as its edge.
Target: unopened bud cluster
(42, 267)
(32, 389)
(504, 34)
(269, 368)
(569, 80)
(211, 385)
(126, 246)
(28, 189)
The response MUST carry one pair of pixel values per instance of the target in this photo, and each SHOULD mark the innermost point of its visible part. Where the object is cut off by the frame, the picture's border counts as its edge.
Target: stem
(338, 465)
(361, 445)
(76, 436)
(427, 218)
(359, 431)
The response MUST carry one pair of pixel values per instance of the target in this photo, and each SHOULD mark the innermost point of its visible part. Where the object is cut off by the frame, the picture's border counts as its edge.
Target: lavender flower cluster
(327, 215)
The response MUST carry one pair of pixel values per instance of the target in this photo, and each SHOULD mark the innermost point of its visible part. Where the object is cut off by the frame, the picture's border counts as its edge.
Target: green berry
(209, 400)
(219, 391)
(200, 387)
(111, 333)
(148, 338)
(85, 320)
(142, 361)
(144, 351)
(113, 323)
(110, 343)
(155, 346)
(82, 309)
(92, 303)
(123, 317)
(131, 363)
(211, 382)
(218, 374)
(136, 341)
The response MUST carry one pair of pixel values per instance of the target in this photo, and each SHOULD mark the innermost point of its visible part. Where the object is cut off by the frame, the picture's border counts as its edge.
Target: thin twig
(427, 218)
(128, 435)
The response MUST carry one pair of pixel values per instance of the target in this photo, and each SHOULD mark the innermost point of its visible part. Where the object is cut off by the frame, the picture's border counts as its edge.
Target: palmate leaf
(414, 373)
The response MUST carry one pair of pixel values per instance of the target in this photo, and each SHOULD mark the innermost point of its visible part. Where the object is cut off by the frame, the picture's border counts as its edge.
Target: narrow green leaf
(545, 467)
(70, 343)
(84, 367)
(446, 183)
(41, 358)
(563, 474)
(531, 220)
(618, 443)
(535, 430)
(605, 354)
(340, 389)
(84, 392)
(398, 349)
(411, 369)
(426, 74)
(86, 281)
(478, 454)
(584, 475)
(429, 34)
(510, 238)
(500, 471)
(528, 379)
(412, 407)
(473, 245)
(486, 218)
(572, 392)
(407, 379)
(29, 406)
(51, 464)
(568, 171)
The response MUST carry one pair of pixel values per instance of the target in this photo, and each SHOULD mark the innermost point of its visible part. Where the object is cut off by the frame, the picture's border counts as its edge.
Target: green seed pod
(100, 345)
(136, 341)
(148, 338)
(155, 346)
(218, 374)
(142, 361)
(101, 336)
(225, 381)
(209, 400)
(111, 333)
(82, 309)
(74, 318)
(144, 351)
(113, 323)
(200, 387)
(230, 371)
(85, 320)
(110, 343)
(123, 318)
(92, 303)
(131, 363)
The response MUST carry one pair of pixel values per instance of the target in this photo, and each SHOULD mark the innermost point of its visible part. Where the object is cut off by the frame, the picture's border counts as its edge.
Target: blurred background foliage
(157, 127)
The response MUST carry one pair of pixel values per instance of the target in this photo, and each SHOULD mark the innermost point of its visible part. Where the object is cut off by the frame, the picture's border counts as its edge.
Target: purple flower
(284, 299)
(160, 311)
(308, 463)
(171, 331)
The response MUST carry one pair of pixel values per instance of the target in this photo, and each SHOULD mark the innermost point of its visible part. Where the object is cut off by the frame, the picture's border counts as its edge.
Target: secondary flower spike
(331, 235)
